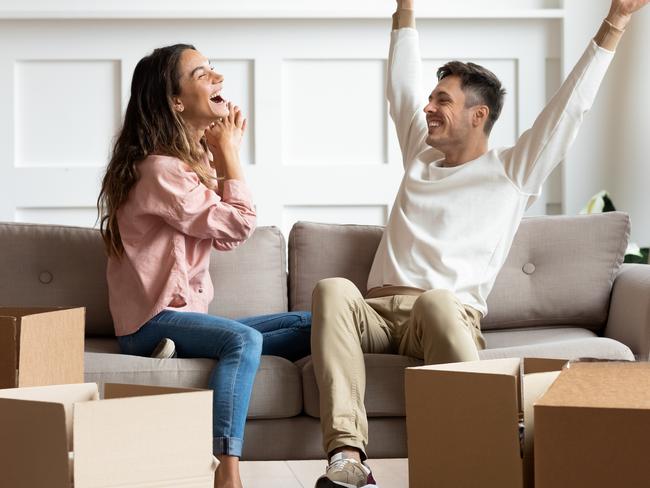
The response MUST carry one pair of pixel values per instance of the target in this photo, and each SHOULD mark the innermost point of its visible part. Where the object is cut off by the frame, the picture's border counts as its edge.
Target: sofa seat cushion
(385, 372)
(277, 391)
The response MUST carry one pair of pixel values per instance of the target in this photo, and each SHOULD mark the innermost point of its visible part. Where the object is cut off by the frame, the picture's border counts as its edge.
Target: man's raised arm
(546, 143)
(403, 90)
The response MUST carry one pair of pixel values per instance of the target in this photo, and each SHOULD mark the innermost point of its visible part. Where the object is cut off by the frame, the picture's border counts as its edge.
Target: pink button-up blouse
(168, 225)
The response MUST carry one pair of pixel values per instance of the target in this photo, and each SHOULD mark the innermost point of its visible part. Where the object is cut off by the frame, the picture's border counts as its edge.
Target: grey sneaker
(164, 350)
(347, 473)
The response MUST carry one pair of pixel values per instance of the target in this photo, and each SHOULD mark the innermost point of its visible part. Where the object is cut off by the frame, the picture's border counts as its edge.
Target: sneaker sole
(166, 349)
(327, 483)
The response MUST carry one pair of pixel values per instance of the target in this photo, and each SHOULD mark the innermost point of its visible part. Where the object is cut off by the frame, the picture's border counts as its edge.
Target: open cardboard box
(593, 427)
(462, 422)
(41, 346)
(63, 436)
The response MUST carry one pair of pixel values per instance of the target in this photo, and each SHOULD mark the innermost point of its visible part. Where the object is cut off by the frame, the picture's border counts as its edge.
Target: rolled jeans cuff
(229, 446)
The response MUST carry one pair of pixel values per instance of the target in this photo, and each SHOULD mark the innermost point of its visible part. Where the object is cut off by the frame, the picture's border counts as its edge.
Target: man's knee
(436, 303)
(333, 290)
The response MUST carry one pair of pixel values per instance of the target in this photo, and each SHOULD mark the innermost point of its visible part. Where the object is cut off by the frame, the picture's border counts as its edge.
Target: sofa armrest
(629, 312)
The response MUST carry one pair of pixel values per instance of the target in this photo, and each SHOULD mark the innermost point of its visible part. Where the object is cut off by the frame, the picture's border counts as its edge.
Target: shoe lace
(341, 464)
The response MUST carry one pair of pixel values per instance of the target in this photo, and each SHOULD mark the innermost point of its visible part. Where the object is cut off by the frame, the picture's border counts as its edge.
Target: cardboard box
(137, 436)
(41, 346)
(593, 427)
(462, 422)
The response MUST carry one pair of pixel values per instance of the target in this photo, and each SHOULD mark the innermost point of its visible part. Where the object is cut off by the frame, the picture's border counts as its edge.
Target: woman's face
(199, 101)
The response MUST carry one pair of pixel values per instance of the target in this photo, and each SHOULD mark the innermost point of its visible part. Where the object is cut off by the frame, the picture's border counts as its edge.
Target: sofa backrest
(51, 265)
(560, 269)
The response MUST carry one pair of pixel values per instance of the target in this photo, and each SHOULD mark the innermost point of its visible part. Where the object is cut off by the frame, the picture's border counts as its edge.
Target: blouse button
(200, 290)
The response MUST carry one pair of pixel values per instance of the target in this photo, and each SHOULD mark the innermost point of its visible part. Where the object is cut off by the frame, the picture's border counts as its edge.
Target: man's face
(448, 121)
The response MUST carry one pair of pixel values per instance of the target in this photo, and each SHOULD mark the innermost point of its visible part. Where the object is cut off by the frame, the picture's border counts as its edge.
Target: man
(450, 230)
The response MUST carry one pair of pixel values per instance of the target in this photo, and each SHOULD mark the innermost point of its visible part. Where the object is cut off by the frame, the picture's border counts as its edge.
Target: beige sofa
(562, 293)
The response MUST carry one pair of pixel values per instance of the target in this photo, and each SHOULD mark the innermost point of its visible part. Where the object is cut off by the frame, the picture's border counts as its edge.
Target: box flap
(507, 366)
(33, 446)
(154, 441)
(601, 385)
(65, 395)
(533, 387)
(8, 352)
(542, 365)
(463, 426)
(52, 348)
(119, 390)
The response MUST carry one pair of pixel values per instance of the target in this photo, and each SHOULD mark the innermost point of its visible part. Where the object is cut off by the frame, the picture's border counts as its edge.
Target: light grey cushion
(385, 372)
(318, 251)
(52, 265)
(251, 279)
(277, 391)
(536, 335)
(574, 261)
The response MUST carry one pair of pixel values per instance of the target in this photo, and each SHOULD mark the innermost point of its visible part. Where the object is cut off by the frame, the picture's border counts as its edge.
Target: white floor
(390, 473)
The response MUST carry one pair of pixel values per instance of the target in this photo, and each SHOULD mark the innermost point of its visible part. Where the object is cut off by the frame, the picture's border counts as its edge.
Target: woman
(162, 210)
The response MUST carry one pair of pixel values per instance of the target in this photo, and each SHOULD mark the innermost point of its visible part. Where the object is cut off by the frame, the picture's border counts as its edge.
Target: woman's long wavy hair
(151, 126)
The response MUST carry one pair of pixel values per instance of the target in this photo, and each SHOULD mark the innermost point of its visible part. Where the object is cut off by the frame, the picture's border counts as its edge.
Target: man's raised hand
(621, 11)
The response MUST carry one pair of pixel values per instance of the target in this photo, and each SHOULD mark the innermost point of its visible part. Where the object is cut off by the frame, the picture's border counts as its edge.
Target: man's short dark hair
(480, 85)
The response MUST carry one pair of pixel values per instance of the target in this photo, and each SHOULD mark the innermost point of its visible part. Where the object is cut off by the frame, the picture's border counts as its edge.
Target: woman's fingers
(238, 117)
(243, 126)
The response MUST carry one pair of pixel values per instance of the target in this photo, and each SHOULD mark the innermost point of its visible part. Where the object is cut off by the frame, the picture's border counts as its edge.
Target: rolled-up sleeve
(192, 208)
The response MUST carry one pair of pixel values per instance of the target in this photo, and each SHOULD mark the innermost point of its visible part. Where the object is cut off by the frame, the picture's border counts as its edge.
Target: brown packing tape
(52, 347)
(33, 445)
(8, 352)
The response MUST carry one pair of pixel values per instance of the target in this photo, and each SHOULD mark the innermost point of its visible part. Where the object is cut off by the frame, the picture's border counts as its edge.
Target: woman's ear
(178, 104)
(481, 114)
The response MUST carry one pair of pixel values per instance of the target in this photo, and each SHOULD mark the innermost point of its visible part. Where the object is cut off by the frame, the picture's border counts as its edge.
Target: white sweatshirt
(452, 227)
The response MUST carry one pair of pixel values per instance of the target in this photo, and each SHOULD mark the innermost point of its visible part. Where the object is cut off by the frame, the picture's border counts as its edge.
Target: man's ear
(178, 104)
(480, 116)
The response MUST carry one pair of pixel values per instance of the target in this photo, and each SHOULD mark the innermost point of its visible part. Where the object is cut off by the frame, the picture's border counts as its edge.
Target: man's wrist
(609, 35)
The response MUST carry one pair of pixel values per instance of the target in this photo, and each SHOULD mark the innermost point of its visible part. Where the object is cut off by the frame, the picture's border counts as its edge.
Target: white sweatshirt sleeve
(404, 92)
(541, 148)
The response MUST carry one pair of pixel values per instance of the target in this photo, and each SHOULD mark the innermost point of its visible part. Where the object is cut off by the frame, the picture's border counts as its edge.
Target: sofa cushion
(251, 279)
(277, 391)
(559, 271)
(318, 251)
(385, 372)
(53, 265)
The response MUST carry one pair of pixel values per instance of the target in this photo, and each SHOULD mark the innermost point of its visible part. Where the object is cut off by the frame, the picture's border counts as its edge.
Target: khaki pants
(433, 326)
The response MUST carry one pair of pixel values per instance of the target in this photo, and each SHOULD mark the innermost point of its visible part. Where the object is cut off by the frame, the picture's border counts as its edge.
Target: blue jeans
(237, 344)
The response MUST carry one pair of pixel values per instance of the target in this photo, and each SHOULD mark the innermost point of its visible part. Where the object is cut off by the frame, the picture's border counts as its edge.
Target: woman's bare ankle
(227, 474)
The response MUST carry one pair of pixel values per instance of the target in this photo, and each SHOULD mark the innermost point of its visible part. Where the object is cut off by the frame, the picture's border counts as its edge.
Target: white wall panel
(66, 111)
(76, 216)
(334, 112)
(320, 145)
(238, 88)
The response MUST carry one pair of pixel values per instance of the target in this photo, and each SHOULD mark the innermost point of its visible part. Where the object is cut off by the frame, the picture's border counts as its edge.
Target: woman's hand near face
(224, 140)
